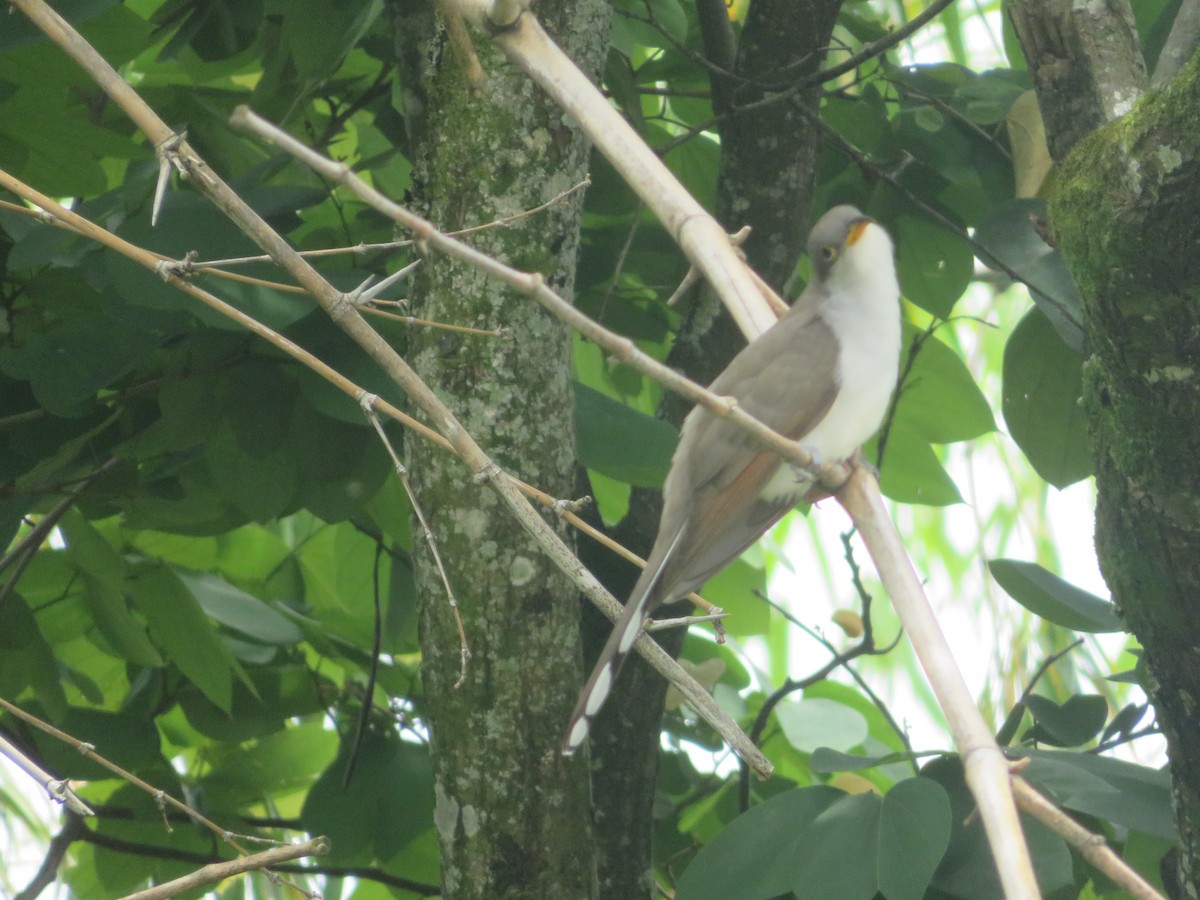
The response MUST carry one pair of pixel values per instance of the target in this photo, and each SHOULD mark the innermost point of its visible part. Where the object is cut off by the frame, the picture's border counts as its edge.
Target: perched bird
(822, 375)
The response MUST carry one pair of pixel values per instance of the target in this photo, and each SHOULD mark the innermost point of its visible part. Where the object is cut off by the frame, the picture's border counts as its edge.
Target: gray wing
(787, 379)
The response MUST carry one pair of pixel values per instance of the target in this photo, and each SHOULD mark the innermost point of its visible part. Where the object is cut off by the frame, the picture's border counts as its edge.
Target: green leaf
(939, 399)
(967, 868)
(1043, 383)
(1071, 725)
(117, 624)
(280, 692)
(751, 857)
(834, 859)
(263, 487)
(243, 612)
(734, 590)
(934, 265)
(911, 471)
(88, 549)
(621, 442)
(827, 760)
(809, 724)
(127, 739)
(1044, 593)
(389, 776)
(183, 632)
(1008, 236)
(1123, 793)
(27, 659)
(914, 832)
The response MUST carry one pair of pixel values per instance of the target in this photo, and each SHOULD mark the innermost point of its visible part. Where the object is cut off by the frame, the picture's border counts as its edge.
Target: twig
(702, 239)
(215, 872)
(89, 751)
(545, 536)
(464, 50)
(364, 710)
(1091, 847)
(367, 403)
(534, 285)
(875, 48)
(58, 788)
(1009, 729)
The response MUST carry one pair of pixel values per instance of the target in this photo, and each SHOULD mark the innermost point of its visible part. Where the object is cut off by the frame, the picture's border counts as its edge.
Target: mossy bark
(1126, 216)
(513, 816)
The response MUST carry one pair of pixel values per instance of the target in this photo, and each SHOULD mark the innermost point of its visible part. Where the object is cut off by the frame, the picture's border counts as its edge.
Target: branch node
(488, 473)
(168, 159)
(563, 507)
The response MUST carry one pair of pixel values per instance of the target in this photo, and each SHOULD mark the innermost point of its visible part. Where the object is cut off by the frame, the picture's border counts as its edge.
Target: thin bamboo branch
(215, 872)
(348, 318)
(984, 763)
(1091, 847)
(698, 234)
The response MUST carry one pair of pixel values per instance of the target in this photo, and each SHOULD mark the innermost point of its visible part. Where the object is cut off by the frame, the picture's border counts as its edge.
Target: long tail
(612, 657)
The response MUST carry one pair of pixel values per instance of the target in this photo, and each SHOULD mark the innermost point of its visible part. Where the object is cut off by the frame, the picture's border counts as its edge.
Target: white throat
(862, 309)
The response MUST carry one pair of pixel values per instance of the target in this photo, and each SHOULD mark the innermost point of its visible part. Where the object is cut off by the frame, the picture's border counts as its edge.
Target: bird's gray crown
(828, 237)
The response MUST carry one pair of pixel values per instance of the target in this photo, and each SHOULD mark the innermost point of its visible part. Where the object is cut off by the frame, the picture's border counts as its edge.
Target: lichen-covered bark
(512, 815)
(1126, 214)
(1086, 60)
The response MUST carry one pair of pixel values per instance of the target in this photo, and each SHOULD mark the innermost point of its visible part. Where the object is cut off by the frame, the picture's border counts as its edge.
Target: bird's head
(845, 241)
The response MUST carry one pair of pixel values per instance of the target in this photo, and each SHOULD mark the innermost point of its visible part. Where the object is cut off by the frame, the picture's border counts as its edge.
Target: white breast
(863, 310)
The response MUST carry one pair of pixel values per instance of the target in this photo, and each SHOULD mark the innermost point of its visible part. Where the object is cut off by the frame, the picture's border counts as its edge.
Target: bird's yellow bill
(856, 231)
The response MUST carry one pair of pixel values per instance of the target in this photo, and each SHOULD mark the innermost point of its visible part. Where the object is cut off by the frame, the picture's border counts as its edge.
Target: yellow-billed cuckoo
(822, 375)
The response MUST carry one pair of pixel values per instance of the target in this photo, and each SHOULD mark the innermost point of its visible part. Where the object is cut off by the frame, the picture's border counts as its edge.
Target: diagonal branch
(348, 318)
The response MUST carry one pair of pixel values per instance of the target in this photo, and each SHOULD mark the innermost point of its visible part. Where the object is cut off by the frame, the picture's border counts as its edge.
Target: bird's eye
(828, 252)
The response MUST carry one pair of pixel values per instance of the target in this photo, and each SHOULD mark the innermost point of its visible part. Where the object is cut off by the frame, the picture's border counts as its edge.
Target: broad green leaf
(694, 163)
(1008, 237)
(262, 487)
(939, 399)
(1043, 383)
(236, 609)
(1072, 724)
(90, 550)
(1044, 593)
(934, 265)
(26, 659)
(388, 776)
(621, 442)
(117, 624)
(809, 724)
(183, 632)
(834, 858)
(911, 471)
(827, 760)
(1123, 793)
(864, 125)
(736, 589)
(284, 761)
(967, 868)
(258, 401)
(281, 692)
(89, 352)
(751, 858)
(914, 832)
(130, 740)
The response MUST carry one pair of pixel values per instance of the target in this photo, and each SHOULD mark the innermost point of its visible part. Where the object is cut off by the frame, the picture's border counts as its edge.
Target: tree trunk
(1124, 215)
(513, 816)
